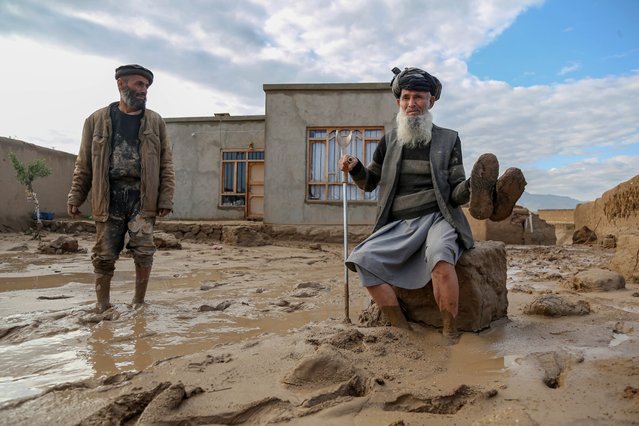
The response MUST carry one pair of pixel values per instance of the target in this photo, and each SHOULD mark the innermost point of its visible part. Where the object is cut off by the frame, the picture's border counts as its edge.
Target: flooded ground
(46, 303)
(214, 301)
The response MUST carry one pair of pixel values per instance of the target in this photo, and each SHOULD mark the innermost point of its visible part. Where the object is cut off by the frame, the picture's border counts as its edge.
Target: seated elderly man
(420, 230)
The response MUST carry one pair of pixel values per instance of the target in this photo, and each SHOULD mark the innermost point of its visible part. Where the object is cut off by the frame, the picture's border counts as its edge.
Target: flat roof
(216, 119)
(326, 86)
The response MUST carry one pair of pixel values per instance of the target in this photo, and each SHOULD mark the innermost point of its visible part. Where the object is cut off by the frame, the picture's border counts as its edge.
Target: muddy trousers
(124, 220)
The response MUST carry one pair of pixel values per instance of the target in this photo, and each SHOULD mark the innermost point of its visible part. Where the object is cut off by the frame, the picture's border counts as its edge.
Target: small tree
(26, 174)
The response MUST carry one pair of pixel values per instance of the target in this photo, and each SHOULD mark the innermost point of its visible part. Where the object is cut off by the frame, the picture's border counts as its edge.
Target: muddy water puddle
(43, 347)
(12, 283)
(63, 349)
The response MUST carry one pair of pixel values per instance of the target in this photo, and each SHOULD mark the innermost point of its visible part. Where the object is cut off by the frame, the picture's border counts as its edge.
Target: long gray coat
(450, 185)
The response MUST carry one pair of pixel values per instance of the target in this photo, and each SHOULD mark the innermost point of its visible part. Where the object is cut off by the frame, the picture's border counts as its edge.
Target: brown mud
(237, 335)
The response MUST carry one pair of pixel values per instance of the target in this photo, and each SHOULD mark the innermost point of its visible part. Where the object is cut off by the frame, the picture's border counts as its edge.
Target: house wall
(15, 210)
(197, 144)
(290, 110)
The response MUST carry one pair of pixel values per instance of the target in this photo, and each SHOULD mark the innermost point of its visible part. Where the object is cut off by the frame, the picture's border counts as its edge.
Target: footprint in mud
(327, 376)
(555, 365)
(325, 367)
(439, 404)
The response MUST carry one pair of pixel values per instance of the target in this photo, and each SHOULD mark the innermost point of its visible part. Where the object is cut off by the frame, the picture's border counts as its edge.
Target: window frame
(332, 180)
(235, 162)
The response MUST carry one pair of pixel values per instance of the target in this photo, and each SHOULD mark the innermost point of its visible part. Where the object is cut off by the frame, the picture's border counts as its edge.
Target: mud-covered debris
(219, 307)
(622, 328)
(164, 241)
(584, 235)
(304, 293)
(555, 306)
(62, 296)
(312, 285)
(438, 404)
(597, 280)
(124, 408)
(61, 245)
(210, 285)
(349, 339)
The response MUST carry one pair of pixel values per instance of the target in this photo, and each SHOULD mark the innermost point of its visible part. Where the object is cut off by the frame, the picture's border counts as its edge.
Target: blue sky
(548, 86)
(563, 40)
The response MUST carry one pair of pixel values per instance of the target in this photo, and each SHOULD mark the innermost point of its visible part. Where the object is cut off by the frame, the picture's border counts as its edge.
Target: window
(234, 175)
(324, 176)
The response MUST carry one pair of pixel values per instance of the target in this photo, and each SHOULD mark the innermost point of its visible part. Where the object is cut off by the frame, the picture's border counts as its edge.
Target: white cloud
(572, 67)
(214, 57)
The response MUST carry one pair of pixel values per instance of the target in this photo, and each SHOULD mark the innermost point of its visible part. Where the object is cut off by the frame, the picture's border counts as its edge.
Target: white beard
(414, 131)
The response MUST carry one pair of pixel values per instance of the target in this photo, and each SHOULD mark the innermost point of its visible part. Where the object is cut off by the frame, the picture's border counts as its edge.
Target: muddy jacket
(157, 181)
(450, 184)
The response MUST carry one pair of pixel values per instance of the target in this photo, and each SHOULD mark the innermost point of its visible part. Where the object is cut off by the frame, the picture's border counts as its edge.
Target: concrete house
(219, 167)
(302, 182)
(280, 167)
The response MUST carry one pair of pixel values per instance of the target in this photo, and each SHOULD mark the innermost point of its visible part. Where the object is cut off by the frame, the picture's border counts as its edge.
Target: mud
(255, 335)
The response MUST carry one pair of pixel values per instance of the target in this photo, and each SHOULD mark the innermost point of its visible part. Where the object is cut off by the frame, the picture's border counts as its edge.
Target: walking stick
(343, 142)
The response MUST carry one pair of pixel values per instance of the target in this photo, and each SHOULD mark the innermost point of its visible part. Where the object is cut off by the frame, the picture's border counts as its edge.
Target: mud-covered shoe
(396, 317)
(449, 328)
(482, 186)
(508, 189)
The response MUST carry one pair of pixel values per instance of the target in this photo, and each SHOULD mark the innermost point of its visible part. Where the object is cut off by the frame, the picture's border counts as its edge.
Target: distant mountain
(535, 202)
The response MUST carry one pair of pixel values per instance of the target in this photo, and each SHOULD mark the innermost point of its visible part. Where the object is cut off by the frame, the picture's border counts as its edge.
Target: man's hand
(73, 211)
(347, 163)
(163, 212)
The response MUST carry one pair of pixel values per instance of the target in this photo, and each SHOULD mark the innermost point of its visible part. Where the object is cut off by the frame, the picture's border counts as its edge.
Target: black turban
(415, 79)
(134, 69)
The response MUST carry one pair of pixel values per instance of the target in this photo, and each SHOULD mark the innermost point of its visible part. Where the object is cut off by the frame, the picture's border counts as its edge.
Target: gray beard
(128, 96)
(414, 131)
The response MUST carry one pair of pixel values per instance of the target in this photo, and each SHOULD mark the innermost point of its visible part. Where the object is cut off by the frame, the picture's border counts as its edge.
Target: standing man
(125, 161)
(420, 230)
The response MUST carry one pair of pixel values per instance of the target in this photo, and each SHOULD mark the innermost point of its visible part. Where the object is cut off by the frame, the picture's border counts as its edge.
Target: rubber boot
(102, 291)
(396, 317)
(142, 274)
(449, 331)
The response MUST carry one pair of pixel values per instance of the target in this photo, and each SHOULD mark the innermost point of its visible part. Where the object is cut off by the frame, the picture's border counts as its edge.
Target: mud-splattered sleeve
(457, 177)
(83, 171)
(367, 178)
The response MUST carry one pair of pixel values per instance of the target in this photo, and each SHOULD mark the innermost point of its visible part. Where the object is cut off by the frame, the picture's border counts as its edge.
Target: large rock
(597, 280)
(556, 306)
(483, 296)
(626, 259)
